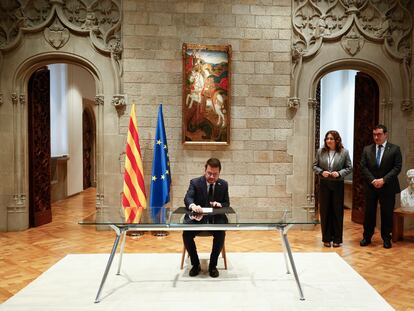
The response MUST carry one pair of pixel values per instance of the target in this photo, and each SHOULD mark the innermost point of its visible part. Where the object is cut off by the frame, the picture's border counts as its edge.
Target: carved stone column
(310, 197)
(99, 102)
(386, 111)
(17, 214)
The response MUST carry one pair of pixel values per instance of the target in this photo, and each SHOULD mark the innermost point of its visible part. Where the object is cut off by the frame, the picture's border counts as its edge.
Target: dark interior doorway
(88, 134)
(39, 148)
(366, 116)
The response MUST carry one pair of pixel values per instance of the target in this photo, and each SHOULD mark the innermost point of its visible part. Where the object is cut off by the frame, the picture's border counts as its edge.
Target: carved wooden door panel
(317, 142)
(365, 118)
(39, 148)
(87, 141)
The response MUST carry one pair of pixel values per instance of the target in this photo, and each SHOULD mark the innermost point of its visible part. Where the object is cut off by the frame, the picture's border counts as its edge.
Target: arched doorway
(350, 104)
(345, 42)
(55, 37)
(58, 137)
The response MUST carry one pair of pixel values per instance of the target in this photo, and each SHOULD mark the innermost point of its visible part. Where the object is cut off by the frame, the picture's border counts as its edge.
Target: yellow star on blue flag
(161, 173)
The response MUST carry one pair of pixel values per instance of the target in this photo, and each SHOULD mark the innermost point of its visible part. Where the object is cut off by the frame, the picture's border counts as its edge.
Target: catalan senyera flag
(133, 198)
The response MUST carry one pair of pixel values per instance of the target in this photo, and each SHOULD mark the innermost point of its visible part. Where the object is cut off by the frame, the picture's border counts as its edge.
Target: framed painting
(206, 94)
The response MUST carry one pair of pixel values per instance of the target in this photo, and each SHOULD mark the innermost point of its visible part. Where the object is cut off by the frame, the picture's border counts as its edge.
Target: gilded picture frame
(206, 94)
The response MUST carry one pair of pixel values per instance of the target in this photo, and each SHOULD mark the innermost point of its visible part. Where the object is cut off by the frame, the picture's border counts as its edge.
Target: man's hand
(378, 183)
(215, 204)
(326, 174)
(198, 212)
(335, 174)
(196, 208)
(197, 217)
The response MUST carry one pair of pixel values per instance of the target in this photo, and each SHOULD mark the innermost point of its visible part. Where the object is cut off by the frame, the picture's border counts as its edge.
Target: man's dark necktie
(210, 194)
(379, 155)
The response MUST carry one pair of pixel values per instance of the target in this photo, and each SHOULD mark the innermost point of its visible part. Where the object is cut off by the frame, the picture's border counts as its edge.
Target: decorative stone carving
(297, 53)
(35, 13)
(11, 22)
(1, 99)
(352, 42)
(99, 200)
(100, 20)
(56, 34)
(293, 102)
(14, 98)
(90, 22)
(389, 22)
(19, 200)
(22, 100)
(407, 105)
(118, 101)
(310, 197)
(386, 104)
(75, 11)
(312, 103)
(352, 22)
(99, 100)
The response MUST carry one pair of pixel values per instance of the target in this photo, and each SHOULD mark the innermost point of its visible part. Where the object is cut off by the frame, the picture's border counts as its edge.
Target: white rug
(253, 281)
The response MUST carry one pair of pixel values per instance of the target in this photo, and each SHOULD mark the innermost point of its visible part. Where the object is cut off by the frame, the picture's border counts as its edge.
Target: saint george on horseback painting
(206, 94)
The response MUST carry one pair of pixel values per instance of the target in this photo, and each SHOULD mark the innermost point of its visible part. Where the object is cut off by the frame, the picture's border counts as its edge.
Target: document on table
(207, 210)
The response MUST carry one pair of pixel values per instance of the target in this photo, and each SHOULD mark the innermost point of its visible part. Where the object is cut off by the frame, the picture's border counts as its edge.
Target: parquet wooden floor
(25, 255)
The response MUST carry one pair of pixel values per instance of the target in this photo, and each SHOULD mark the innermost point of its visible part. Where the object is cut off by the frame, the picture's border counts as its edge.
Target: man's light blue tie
(379, 155)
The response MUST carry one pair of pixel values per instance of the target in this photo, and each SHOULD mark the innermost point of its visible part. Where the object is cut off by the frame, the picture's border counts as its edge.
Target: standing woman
(332, 164)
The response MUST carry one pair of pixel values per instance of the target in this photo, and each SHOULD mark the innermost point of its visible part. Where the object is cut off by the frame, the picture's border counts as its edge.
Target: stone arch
(19, 85)
(330, 36)
(43, 33)
(374, 70)
(25, 69)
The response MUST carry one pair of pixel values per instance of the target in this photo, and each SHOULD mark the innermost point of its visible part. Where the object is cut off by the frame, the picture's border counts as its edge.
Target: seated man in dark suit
(206, 191)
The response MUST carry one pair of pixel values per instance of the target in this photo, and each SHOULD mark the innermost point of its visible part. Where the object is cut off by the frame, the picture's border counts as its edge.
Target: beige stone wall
(257, 162)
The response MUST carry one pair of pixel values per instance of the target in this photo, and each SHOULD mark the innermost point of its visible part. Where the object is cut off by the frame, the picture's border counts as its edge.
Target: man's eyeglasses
(209, 174)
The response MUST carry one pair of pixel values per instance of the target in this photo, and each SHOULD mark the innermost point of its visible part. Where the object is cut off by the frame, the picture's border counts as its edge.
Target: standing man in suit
(206, 191)
(380, 164)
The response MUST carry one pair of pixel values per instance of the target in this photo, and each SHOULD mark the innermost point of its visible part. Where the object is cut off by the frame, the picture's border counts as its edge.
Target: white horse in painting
(214, 102)
(197, 81)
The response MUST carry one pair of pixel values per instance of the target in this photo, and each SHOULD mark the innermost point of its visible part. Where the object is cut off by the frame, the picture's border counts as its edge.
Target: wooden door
(365, 118)
(39, 148)
(317, 143)
(87, 140)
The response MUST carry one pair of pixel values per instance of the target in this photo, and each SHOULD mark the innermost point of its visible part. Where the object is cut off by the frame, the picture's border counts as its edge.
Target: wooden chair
(205, 234)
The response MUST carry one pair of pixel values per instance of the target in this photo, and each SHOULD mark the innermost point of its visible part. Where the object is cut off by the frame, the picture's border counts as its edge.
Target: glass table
(280, 221)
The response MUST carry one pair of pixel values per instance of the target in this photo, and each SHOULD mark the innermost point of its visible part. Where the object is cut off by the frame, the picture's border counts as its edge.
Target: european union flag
(161, 173)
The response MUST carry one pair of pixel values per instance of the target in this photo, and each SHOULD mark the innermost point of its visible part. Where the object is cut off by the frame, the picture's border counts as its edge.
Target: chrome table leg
(111, 258)
(121, 252)
(292, 263)
(284, 251)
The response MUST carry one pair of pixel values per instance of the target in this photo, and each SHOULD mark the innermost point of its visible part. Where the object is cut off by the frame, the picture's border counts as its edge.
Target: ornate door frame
(335, 35)
(41, 33)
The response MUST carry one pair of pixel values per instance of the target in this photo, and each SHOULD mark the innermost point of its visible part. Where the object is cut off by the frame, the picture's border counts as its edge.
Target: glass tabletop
(175, 219)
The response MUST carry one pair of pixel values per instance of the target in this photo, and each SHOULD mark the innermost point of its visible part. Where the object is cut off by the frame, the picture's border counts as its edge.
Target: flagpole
(161, 220)
(161, 175)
